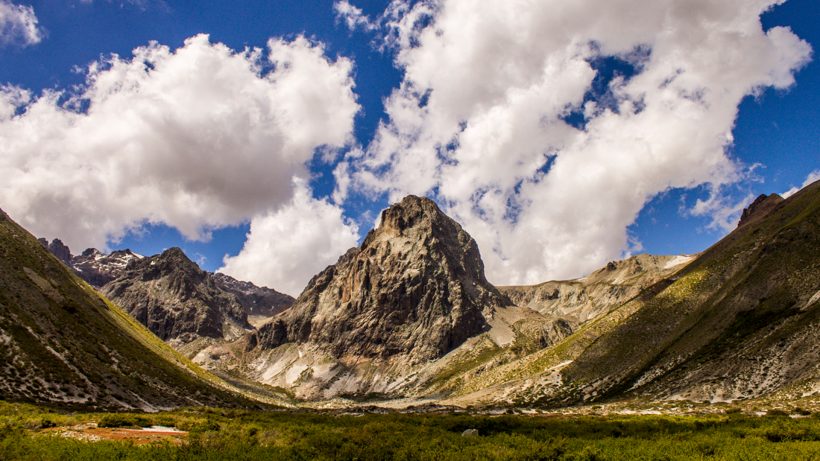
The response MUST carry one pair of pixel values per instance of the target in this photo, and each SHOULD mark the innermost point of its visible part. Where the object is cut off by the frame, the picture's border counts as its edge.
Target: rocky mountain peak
(170, 294)
(91, 252)
(98, 268)
(175, 255)
(416, 286)
(412, 212)
(762, 206)
(60, 250)
(257, 301)
(176, 299)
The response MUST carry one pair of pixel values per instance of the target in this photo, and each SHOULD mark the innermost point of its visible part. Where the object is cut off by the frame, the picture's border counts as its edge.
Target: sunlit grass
(27, 433)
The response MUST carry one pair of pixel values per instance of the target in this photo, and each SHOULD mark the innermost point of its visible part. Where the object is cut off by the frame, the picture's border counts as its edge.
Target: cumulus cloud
(812, 177)
(196, 138)
(722, 211)
(352, 16)
(18, 25)
(285, 248)
(480, 120)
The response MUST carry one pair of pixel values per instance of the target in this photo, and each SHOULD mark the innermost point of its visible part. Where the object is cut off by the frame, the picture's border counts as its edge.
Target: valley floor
(34, 433)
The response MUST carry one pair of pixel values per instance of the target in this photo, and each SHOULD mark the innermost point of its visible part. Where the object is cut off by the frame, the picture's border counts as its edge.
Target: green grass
(217, 434)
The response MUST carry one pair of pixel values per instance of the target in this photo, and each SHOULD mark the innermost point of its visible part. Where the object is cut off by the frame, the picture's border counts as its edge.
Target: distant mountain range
(410, 315)
(171, 295)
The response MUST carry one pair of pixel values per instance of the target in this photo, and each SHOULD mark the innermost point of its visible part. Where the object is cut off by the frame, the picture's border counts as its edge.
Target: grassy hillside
(64, 344)
(739, 322)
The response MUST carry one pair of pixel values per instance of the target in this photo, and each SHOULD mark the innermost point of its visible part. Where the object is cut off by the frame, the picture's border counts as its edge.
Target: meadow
(34, 433)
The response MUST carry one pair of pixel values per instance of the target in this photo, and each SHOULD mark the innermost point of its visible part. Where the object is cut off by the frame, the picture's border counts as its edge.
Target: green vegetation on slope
(28, 433)
(739, 322)
(64, 344)
(736, 324)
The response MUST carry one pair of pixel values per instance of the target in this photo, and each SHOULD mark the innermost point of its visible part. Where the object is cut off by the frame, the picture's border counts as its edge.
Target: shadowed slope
(63, 343)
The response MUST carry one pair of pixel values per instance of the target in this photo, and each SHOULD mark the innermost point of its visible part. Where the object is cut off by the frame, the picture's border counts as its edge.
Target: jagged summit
(176, 283)
(416, 286)
(257, 301)
(98, 268)
(58, 249)
(762, 206)
(176, 299)
(173, 261)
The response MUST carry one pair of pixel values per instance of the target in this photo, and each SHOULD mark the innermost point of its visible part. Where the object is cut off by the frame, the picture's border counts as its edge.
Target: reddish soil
(91, 433)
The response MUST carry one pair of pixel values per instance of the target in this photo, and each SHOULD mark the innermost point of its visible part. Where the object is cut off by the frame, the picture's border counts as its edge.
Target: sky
(265, 137)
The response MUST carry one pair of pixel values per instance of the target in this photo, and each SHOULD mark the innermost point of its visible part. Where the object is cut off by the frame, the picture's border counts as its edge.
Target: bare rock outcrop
(759, 209)
(256, 300)
(176, 299)
(98, 268)
(416, 286)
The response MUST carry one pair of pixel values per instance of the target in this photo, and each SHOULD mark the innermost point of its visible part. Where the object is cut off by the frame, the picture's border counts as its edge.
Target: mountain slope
(738, 322)
(396, 317)
(256, 301)
(416, 286)
(62, 343)
(176, 299)
(586, 298)
(205, 307)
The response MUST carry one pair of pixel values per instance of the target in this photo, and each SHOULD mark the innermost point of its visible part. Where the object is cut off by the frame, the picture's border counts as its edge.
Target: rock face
(586, 298)
(98, 268)
(171, 295)
(259, 301)
(762, 206)
(176, 299)
(58, 249)
(415, 287)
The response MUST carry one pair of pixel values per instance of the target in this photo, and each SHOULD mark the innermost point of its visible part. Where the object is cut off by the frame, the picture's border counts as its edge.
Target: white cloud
(198, 137)
(352, 16)
(285, 248)
(723, 212)
(812, 177)
(478, 119)
(18, 25)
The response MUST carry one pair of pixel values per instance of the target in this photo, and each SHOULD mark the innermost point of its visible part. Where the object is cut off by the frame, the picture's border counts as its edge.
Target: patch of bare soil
(92, 433)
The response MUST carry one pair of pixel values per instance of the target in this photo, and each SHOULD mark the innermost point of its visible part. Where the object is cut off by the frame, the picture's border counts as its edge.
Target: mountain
(171, 294)
(64, 344)
(98, 268)
(416, 286)
(738, 322)
(176, 299)
(586, 298)
(256, 301)
(58, 249)
(759, 209)
(409, 315)
(393, 314)
(92, 265)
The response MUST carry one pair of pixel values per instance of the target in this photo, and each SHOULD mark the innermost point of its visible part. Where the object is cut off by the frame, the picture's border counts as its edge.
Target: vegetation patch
(217, 434)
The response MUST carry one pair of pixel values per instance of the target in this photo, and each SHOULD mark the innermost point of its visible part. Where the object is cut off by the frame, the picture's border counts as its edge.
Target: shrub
(115, 420)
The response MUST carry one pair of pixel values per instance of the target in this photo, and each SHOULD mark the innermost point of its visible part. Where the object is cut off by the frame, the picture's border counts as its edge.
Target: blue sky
(777, 130)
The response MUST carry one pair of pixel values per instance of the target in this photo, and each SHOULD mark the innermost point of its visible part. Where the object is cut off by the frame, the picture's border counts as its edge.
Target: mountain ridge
(173, 310)
(64, 344)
